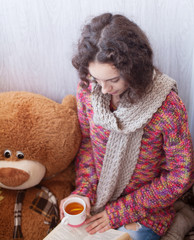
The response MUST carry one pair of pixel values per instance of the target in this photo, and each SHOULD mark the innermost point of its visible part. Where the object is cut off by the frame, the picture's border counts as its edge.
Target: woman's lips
(113, 93)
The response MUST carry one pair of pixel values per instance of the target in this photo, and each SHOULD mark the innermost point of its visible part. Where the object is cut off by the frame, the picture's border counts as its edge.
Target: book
(65, 232)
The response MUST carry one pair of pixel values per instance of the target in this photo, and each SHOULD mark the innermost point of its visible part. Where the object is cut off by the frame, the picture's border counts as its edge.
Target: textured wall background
(38, 38)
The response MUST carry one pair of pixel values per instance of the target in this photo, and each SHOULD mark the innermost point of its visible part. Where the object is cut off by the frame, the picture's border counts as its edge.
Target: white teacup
(74, 209)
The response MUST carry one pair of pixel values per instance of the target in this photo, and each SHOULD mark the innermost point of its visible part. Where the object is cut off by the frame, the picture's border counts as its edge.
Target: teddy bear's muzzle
(12, 177)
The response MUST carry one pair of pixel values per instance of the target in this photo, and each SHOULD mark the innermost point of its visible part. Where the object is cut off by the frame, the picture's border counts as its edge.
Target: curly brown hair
(116, 40)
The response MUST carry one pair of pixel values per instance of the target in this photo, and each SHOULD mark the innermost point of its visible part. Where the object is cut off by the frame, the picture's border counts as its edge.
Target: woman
(135, 159)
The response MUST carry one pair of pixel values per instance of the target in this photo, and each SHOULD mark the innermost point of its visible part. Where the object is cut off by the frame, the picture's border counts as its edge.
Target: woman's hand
(86, 200)
(99, 223)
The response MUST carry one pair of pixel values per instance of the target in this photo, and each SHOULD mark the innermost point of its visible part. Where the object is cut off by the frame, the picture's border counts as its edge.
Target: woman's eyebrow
(110, 79)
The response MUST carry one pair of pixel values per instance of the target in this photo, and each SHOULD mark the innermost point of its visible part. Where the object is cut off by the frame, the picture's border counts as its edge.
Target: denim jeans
(143, 233)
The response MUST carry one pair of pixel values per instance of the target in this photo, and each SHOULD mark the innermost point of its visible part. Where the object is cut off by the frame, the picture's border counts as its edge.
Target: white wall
(37, 40)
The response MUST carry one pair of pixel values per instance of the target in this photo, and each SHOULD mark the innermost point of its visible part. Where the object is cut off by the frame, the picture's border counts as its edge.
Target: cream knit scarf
(126, 129)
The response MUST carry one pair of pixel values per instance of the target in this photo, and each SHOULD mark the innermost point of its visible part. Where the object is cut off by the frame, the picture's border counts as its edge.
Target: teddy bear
(39, 139)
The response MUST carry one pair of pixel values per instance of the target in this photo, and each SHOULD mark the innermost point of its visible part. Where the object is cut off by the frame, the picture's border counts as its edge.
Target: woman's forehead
(103, 71)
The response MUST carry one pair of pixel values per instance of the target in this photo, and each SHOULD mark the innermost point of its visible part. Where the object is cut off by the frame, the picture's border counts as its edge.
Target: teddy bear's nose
(12, 177)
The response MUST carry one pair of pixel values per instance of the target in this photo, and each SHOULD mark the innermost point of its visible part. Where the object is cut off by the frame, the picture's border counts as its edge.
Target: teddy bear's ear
(70, 101)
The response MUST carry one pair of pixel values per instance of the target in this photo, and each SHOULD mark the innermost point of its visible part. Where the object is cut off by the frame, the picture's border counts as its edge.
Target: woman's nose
(106, 88)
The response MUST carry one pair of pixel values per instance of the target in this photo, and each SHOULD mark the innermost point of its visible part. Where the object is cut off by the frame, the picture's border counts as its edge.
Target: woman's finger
(94, 218)
(105, 228)
(98, 222)
(98, 227)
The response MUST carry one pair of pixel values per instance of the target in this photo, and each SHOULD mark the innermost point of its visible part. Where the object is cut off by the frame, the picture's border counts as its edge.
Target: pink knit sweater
(163, 171)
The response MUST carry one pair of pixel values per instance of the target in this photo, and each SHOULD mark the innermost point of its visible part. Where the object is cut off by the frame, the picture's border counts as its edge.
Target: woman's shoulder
(173, 102)
(83, 94)
(171, 114)
(172, 110)
(82, 90)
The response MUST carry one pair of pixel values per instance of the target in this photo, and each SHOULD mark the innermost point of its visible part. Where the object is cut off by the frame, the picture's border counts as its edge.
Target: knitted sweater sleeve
(86, 178)
(175, 173)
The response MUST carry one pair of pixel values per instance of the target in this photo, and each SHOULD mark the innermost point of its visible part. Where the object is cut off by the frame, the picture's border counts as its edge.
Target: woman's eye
(115, 80)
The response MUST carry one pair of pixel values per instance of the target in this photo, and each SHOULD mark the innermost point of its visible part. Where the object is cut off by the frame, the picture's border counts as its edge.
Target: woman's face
(108, 77)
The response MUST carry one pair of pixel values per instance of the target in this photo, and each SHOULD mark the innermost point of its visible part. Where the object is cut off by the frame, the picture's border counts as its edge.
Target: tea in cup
(74, 212)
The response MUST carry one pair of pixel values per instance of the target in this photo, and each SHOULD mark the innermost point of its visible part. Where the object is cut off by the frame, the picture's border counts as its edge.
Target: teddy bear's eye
(7, 153)
(19, 155)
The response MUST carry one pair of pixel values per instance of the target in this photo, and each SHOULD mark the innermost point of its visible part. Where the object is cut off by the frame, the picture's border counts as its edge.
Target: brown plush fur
(46, 132)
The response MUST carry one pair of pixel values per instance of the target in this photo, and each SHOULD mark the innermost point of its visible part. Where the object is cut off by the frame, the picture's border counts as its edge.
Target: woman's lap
(143, 233)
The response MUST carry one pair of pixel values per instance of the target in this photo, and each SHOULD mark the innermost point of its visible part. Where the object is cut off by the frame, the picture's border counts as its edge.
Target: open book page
(65, 232)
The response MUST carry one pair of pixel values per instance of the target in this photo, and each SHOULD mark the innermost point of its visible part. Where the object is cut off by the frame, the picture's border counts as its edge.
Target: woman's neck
(115, 100)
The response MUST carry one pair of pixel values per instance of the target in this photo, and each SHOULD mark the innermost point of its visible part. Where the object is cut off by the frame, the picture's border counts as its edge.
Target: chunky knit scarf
(126, 129)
